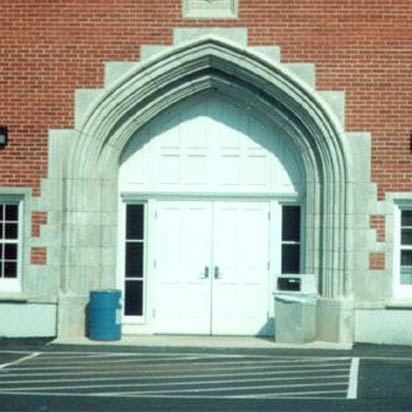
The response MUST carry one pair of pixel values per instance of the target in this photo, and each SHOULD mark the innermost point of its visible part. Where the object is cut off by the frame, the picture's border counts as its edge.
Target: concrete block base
(25, 320)
(383, 326)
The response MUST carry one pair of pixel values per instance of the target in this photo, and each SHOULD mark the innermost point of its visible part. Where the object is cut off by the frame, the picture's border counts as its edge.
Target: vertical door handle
(205, 274)
(218, 275)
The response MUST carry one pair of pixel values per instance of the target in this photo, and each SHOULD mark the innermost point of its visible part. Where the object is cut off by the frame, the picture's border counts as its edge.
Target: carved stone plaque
(209, 9)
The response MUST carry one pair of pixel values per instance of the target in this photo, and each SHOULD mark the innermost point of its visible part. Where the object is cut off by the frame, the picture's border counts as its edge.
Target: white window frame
(14, 285)
(400, 291)
(121, 278)
(302, 236)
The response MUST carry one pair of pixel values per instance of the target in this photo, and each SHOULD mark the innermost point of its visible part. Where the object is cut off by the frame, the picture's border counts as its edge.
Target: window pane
(10, 252)
(406, 236)
(134, 259)
(291, 223)
(12, 212)
(10, 269)
(406, 258)
(406, 219)
(290, 258)
(406, 276)
(133, 298)
(1, 213)
(11, 231)
(135, 222)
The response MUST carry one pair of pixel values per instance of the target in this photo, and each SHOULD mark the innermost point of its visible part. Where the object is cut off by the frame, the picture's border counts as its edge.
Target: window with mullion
(406, 247)
(9, 240)
(291, 239)
(134, 260)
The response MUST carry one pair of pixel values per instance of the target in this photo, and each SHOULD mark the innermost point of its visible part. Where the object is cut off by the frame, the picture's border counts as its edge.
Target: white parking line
(226, 389)
(188, 375)
(353, 379)
(243, 364)
(20, 360)
(297, 395)
(318, 372)
(105, 360)
(190, 382)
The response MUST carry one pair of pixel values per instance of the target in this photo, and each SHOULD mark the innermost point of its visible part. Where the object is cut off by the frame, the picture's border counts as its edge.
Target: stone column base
(335, 320)
(71, 319)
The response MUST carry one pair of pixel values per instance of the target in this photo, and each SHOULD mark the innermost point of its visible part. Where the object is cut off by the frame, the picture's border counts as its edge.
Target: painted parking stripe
(203, 359)
(20, 360)
(184, 383)
(203, 375)
(297, 395)
(228, 389)
(201, 363)
(353, 379)
(319, 373)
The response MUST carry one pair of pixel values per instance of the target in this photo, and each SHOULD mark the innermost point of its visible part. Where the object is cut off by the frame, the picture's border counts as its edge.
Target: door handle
(217, 274)
(205, 274)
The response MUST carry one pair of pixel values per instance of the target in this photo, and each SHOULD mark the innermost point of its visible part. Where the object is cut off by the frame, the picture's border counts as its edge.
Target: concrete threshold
(224, 342)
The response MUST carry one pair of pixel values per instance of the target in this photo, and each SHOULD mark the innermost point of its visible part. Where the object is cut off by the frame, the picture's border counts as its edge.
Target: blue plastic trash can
(104, 315)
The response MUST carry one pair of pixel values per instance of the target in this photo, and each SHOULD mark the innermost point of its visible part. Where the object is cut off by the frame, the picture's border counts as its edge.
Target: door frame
(145, 324)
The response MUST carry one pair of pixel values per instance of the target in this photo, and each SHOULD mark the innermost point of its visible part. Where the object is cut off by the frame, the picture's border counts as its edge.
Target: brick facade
(50, 48)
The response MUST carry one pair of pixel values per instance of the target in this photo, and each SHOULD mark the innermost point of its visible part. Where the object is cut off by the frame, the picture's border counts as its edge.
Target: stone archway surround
(107, 118)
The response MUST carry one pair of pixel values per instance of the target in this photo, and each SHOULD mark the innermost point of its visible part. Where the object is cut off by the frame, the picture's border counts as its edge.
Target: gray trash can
(295, 317)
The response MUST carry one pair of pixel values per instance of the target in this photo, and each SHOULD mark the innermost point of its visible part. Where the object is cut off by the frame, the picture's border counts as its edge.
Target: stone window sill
(400, 304)
(12, 298)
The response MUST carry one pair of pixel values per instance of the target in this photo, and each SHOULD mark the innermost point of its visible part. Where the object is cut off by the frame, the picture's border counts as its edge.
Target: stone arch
(192, 68)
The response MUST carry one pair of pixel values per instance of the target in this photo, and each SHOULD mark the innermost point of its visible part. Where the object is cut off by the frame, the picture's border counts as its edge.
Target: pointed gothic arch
(167, 78)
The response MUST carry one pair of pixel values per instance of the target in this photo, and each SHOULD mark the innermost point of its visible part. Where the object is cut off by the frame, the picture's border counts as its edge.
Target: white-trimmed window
(291, 239)
(10, 249)
(403, 251)
(134, 265)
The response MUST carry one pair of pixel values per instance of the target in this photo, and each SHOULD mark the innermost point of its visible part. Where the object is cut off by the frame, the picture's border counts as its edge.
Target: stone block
(235, 35)
(271, 53)
(304, 71)
(116, 70)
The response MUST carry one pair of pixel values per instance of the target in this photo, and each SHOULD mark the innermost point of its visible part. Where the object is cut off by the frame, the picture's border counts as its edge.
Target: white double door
(212, 267)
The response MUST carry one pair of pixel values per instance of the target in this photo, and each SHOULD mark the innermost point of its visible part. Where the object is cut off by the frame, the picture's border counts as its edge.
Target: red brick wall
(38, 219)
(38, 256)
(377, 261)
(377, 222)
(49, 48)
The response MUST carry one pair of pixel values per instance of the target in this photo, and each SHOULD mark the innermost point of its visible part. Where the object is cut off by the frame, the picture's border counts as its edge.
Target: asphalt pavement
(37, 376)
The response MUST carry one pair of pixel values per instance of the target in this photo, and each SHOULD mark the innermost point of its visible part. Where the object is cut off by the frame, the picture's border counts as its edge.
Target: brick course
(377, 222)
(38, 255)
(38, 219)
(377, 261)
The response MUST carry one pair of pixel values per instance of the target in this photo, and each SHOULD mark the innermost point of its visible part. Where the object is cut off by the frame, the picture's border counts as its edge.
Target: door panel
(212, 274)
(183, 251)
(240, 251)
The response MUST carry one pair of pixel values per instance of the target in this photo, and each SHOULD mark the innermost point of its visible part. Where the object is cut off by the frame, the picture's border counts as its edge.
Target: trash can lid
(296, 298)
(111, 291)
